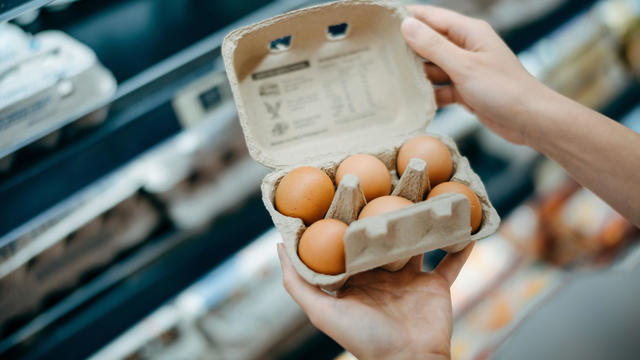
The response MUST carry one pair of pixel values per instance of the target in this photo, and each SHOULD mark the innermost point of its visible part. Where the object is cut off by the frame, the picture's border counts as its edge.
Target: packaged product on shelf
(583, 227)
(239, 310)
(318, 85)
(14, 45)
(75, 255)
(162, 335)
(50, 81)
(622, 20)
(248, 314)
(566, 224)
(581, 60)
(203, 172)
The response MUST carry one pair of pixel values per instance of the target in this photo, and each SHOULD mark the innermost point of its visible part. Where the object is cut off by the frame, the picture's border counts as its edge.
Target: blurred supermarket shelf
(170, 161)
(608, 334)
(216, 309)
(92, 25)
(135, 286)
(227, 178)
(141, 115)
(239, 310)
(104, 281)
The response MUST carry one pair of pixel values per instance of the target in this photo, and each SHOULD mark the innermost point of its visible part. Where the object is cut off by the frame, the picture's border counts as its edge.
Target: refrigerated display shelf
(133, 260)
(103, 196)
(176, 26)
(133, 288)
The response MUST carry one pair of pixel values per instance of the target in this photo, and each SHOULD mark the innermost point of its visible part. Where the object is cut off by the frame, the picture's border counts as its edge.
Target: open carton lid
(325, 81)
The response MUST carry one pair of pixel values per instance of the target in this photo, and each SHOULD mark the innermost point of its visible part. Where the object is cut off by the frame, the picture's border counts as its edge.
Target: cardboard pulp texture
(316, 85)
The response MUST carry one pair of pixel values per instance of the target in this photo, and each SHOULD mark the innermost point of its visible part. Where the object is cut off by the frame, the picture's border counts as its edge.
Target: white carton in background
(316, 85)
(47, 85)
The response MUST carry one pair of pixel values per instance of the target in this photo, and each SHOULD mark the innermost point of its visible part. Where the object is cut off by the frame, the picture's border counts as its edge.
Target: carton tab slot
(280, 44)
(337, 31)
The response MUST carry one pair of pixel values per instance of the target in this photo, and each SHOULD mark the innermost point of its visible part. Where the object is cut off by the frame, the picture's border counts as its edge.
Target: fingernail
(410, 27)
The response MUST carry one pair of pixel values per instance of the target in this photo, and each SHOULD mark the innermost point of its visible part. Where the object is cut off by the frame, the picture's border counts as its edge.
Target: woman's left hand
(384, 315)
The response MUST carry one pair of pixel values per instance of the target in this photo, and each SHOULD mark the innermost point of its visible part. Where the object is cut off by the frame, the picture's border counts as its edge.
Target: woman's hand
(384, 315)
(475, 68)
(480, 72)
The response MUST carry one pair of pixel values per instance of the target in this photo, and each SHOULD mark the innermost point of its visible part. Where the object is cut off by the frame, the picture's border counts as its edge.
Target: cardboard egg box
(316, 85)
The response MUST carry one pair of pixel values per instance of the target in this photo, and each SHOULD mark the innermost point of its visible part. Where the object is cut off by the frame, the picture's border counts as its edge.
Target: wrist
(543, 112)
(431, 350)
(409, 353)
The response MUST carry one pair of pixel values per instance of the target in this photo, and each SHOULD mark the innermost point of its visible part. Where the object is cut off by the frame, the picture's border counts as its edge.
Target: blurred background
(132, 225)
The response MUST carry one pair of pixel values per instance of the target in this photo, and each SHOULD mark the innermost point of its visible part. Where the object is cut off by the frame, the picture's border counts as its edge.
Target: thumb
(432, 45)
(450, 266)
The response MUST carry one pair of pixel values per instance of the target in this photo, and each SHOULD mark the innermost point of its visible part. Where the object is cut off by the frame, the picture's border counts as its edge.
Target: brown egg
(374, 176)
(476, 208)
(383, 205)
(321, 246)
(433, 152)
(306, 193)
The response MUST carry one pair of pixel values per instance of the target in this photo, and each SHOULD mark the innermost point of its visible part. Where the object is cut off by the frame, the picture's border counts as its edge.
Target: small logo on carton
(273, 109)
(279, 129)
(269, 89)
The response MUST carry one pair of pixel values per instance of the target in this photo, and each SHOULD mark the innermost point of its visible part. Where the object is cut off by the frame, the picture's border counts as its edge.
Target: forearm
(599, 153)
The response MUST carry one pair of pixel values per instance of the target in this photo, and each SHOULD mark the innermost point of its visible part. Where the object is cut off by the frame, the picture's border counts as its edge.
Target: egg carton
(319, 84)
(389, 240)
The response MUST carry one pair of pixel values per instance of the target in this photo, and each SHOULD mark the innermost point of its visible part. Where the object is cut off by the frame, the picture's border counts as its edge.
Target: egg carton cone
(319, 84)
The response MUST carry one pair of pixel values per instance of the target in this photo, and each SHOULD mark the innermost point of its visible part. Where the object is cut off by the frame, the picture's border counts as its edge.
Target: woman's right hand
(483, 74)
(476, 69)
